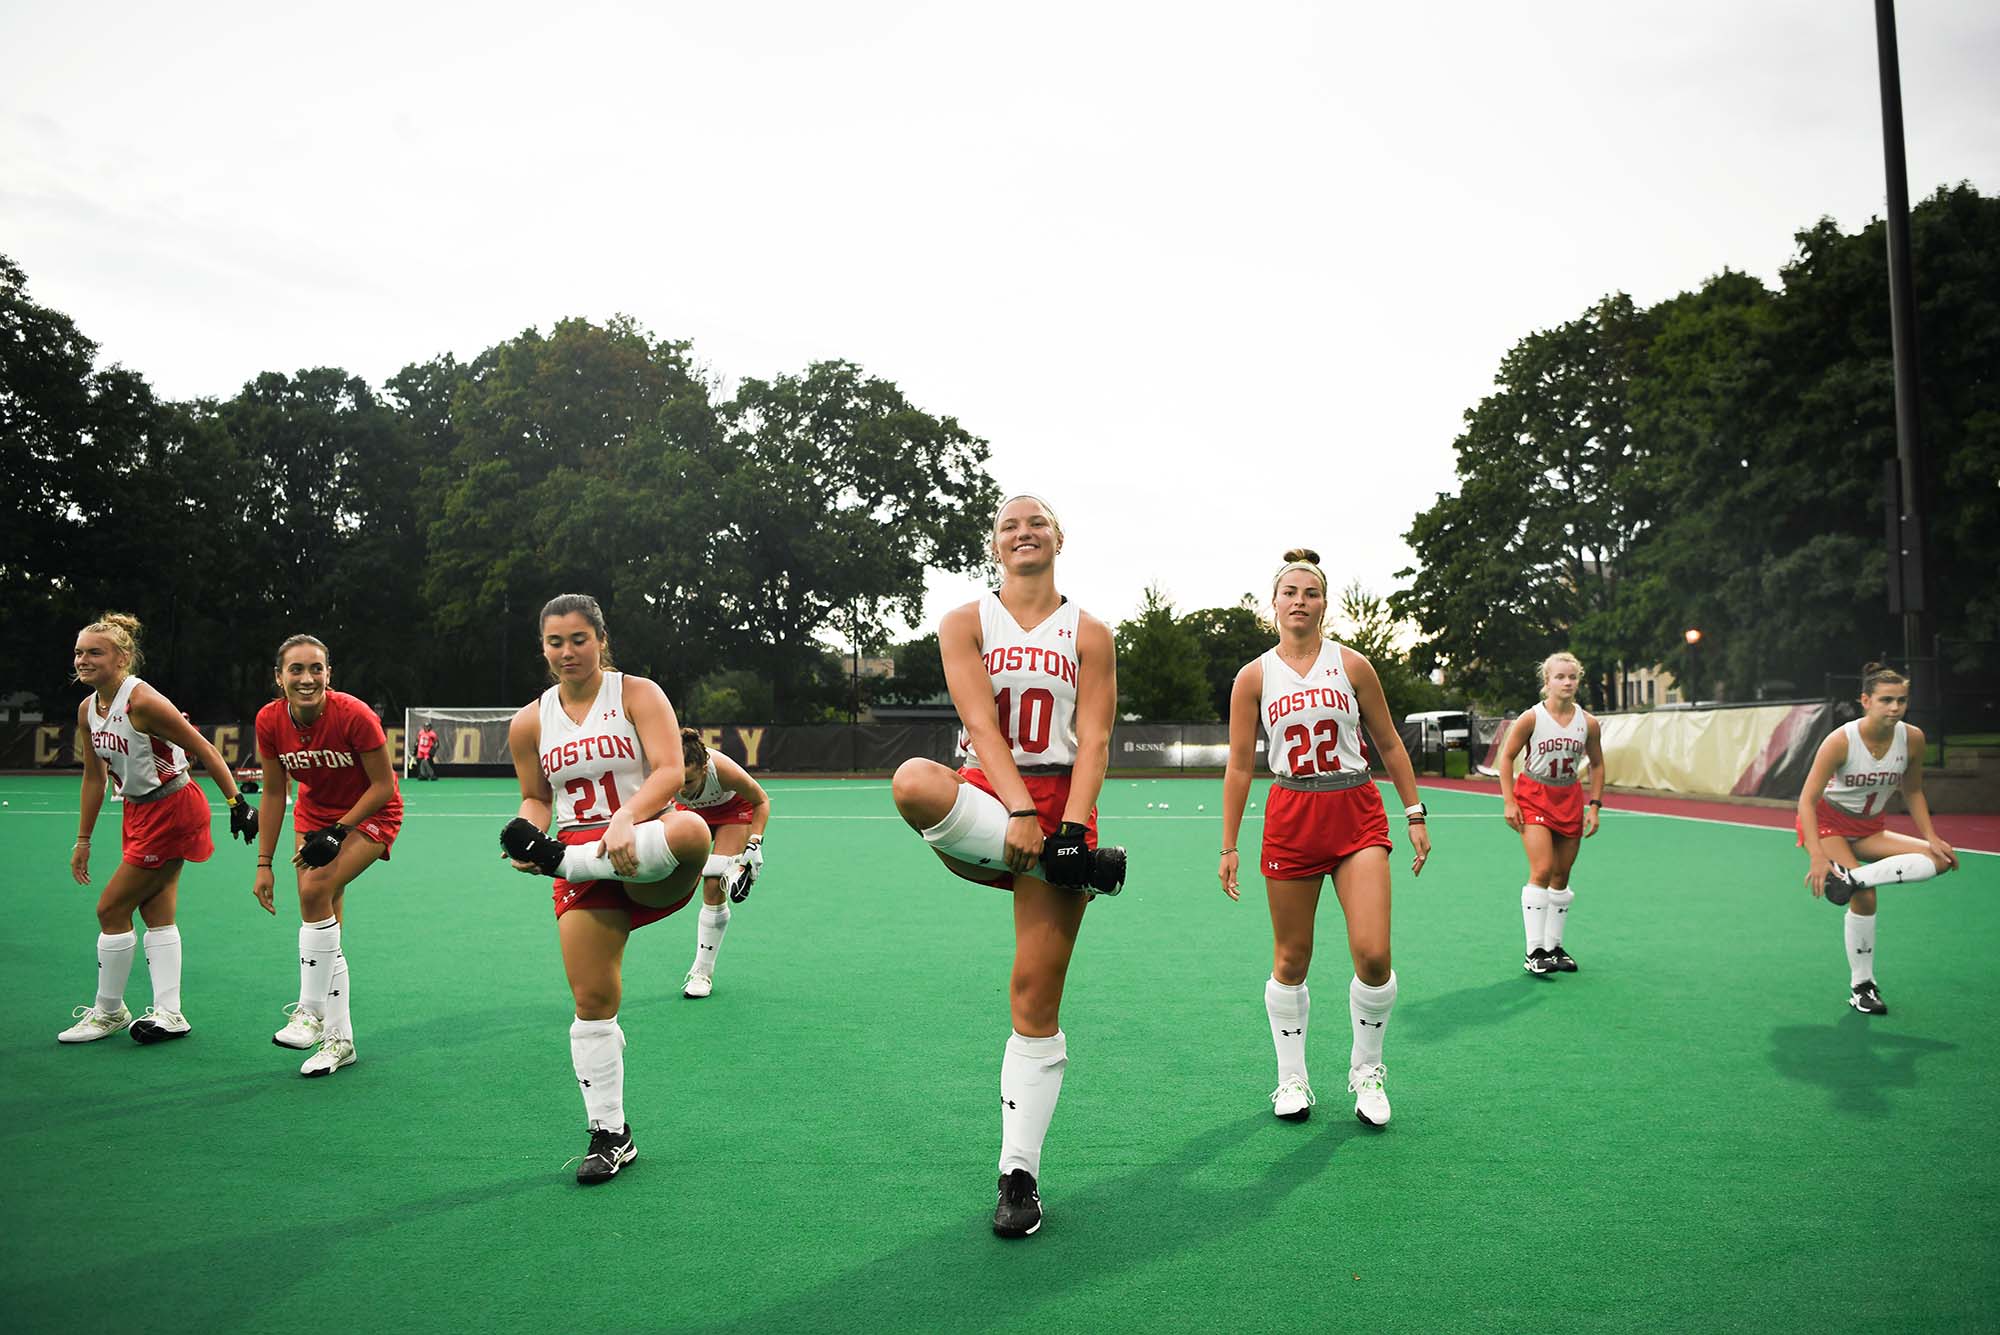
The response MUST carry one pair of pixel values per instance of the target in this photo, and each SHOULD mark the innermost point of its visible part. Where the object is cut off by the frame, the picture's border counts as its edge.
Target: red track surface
(1978, 832)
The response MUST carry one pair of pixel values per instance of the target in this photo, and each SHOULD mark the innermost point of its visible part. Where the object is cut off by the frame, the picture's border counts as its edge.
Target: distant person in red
(1842, 820)
(427, 743)
(347, 815)
(1547, 808)
(141, 743)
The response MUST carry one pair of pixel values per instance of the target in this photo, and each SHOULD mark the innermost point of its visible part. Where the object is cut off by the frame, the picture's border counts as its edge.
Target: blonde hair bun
(1306, 554)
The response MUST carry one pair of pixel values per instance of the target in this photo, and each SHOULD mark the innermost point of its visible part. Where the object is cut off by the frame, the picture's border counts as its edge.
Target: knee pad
(974, 831)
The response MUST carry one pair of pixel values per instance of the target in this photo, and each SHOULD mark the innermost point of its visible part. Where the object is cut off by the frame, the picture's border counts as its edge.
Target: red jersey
(324, 758)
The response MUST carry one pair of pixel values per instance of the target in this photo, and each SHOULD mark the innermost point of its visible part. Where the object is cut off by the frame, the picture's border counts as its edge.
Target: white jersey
(1554, 751)
(712, 793)
(1034, 683)
(140, 765)
(1312, 721)
(1862, 784)
(595, 766)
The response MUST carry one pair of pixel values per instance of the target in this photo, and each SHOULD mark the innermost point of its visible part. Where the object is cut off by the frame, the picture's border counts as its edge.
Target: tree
(919, 675)
(1365, 624)
(1229, 638)
(840, 496)
(1162, 668)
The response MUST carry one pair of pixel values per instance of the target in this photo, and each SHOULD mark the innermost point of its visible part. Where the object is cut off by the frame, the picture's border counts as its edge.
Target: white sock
(339, 1021)
(1031, 1076)
(1902, 869)
(1535, 914)
(974, 830)
(597, 1050)
(710, 924)
(718, 865)
(114, 966)
(1288, 1005)
(319, 942)
(163, 962)
(1860, 947)
(1558, 918)
(1369, 1008)
(649, 842)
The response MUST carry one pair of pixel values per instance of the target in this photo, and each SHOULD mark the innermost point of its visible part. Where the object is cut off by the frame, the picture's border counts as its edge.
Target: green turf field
(1692, 1133)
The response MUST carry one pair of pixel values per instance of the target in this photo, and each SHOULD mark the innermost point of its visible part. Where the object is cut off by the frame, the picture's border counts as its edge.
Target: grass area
(1693, 1132)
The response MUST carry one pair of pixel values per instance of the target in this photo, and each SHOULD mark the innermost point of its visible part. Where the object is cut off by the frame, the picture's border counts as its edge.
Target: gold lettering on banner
(394, 737)
(752, 739)
(227, 738)
(711, 738)
(45, 744)
(465, 747)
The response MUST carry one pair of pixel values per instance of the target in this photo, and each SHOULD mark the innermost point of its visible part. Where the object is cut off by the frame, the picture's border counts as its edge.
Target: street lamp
(1693, 637)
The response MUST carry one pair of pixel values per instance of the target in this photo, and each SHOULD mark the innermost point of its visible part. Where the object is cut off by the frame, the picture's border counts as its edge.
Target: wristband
(1030, 813)
(262, 863)
(1227, 851)
(83, 839)
(1593, 802)
(1416, 811)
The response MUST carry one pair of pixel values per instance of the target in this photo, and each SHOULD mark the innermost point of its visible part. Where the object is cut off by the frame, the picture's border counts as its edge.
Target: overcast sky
(1215, 279)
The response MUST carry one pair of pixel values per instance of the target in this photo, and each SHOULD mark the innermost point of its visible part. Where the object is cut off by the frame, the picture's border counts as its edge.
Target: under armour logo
(334, 993)
(581, 1081)
(699, 946)
(1273, 864)
(1291, 1033)
(1064, 634)
(1370, 1024)
(1859, 950)
(611, 713)
(1008, 1102)
(308, 963)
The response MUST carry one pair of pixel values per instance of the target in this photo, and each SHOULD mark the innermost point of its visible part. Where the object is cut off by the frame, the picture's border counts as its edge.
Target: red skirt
(1833, 820)
(607, 894)
(1050, 793)
(736, 811)
(1307, 835)
(1557, 806)
(168, 829)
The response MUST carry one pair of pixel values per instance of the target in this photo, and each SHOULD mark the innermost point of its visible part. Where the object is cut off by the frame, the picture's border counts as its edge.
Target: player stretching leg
(1842, 822)
(1035, 684)
(140, 742)
(1324, 817)
(1546, 806)
(600, 752)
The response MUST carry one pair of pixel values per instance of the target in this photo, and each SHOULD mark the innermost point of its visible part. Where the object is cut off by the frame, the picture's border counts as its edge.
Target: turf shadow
(1440, 1017)
(1856, 1060)
(965, 1279)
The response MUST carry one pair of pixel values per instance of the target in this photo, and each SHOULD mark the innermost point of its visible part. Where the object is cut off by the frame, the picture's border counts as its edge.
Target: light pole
(1693, 637)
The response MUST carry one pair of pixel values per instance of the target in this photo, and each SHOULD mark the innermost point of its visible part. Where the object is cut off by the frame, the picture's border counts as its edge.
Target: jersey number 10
(1038, 712)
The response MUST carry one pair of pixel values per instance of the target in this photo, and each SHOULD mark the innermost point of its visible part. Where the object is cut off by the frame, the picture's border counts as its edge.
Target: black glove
(243, 820)
(322, 846)
(1066, 858)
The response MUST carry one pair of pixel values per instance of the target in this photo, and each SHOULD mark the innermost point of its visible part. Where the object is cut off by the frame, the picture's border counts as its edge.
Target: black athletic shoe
(1560, 962)
(1539, 963)
(1019, 1212)
(1839, 884)
(609, 1152)
(1867, 1000)
(524, 843)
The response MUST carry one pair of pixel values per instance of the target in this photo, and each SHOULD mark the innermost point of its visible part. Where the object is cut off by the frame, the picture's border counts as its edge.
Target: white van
(1444, 729)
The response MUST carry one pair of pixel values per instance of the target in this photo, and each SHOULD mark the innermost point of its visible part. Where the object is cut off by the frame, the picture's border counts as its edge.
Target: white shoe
(304, 1030)
(1293, 1099)
(333, 1054)
(697, 986)
(1371, 1104)
(93, 1024)
(157, 1026)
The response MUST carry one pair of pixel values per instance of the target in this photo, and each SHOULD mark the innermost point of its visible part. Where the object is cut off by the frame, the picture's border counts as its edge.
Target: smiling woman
(332, 746)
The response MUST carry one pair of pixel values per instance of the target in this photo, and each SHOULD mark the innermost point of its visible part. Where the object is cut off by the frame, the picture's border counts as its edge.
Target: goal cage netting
(469, 740)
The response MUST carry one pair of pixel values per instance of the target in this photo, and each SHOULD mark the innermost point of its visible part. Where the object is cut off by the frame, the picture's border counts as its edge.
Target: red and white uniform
(1548, 790)
(592, 768)
(324, 759)
(1034, 676)
(166, 817)
(1854, 803)
(1323, 806)
(715, 804)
